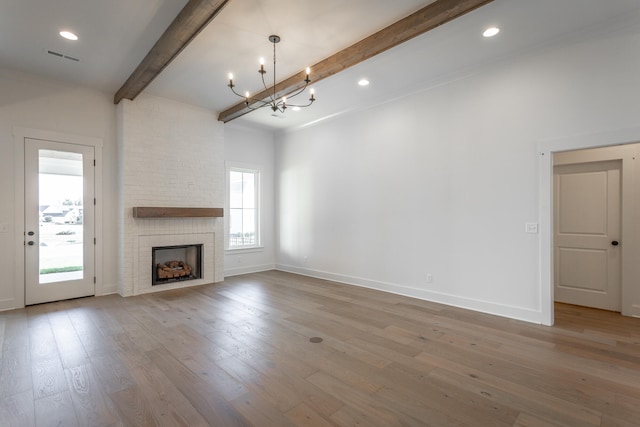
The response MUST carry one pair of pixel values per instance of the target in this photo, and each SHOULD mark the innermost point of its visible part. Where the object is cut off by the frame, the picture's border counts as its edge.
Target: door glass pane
(60, 203)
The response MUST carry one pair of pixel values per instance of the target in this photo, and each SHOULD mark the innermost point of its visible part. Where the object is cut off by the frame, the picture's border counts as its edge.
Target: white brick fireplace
(171, 155)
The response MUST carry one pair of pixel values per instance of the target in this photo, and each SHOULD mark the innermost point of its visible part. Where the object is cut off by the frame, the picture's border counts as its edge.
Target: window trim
(257, 170)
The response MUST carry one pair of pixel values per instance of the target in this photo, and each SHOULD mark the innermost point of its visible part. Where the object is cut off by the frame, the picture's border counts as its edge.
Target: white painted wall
(31, 102)
(254, 147)
(443, 181)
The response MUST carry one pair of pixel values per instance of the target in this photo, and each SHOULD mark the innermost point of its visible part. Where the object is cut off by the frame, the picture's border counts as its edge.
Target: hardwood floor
(238, 354)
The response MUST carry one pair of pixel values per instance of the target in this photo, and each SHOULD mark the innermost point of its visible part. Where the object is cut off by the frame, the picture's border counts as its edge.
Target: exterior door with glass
(59, 221)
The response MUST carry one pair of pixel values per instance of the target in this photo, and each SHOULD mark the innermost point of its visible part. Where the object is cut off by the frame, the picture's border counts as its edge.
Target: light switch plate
(531, 228)
(4, 227)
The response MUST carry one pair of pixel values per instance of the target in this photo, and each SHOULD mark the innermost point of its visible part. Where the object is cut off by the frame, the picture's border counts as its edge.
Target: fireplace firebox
(176, 263)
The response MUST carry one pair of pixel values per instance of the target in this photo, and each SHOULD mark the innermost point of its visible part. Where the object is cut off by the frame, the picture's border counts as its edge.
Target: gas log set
(173, 270)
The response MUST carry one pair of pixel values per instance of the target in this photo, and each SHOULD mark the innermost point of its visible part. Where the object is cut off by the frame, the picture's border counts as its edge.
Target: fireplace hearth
(176, 263)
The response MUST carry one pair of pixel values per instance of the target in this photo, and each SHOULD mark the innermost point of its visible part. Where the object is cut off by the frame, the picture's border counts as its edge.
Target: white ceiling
(115, 35)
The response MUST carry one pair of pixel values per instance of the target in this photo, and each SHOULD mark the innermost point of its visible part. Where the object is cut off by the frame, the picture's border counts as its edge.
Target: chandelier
(273, 101)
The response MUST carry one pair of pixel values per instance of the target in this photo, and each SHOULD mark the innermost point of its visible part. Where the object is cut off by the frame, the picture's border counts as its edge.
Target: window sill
(232, 251)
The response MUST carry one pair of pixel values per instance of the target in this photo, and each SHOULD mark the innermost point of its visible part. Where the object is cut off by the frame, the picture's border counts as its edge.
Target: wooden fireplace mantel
(169, 212)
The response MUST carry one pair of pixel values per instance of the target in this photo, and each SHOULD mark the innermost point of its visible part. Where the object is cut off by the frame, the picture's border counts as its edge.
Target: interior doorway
(611, 146)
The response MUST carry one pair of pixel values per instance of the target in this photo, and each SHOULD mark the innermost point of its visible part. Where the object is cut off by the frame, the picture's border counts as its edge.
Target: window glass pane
(248, 190)
(235, 189)
(243, 209)
(249, 226)
(235, 227)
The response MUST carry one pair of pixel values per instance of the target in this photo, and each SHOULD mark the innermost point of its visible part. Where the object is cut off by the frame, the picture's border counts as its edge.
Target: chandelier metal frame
(274, 102)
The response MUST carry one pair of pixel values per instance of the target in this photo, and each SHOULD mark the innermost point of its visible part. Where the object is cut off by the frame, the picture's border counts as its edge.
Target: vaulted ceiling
(115, 36)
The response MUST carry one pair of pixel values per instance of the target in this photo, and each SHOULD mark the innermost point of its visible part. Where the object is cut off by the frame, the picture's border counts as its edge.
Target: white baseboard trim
(108, 290)
(511, 312)
(635, 311)
(8, 304)
(248, 269)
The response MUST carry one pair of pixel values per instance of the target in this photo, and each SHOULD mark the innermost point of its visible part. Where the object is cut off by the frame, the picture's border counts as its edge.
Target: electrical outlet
(429, 278)
(531, 228)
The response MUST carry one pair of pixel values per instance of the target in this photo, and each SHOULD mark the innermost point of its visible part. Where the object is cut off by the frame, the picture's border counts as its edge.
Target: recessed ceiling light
(490, 32)
(296, 108)
(363, 82)
(68, 35)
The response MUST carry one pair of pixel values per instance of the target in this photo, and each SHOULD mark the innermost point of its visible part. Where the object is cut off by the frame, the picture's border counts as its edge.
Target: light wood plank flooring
(238, 354)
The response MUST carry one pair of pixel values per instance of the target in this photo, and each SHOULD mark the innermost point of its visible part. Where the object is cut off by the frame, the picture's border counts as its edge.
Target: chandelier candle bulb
(230, 79)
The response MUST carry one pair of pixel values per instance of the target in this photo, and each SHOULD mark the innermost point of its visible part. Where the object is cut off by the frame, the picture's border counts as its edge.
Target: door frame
(623, 138)
(19, 135)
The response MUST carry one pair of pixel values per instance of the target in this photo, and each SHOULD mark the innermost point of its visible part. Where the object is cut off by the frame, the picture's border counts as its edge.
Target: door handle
(30, 243)
(615, 243)
(31, 233)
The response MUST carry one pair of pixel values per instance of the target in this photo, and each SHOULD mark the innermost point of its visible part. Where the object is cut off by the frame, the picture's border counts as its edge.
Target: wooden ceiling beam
(192, 19)
(429, 17)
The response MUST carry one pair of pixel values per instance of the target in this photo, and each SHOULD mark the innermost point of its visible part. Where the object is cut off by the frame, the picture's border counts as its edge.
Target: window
(244, 216)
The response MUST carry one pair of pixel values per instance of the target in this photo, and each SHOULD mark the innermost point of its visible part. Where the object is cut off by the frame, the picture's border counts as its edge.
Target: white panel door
(59, 221)
(587, 232)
